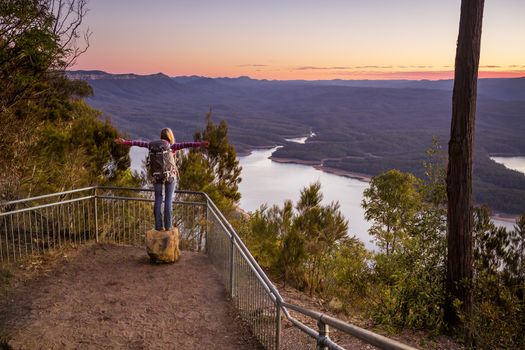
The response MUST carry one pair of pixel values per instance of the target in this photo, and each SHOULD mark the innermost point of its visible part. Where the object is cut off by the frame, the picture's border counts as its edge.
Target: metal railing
(260, 303)
(32, 226)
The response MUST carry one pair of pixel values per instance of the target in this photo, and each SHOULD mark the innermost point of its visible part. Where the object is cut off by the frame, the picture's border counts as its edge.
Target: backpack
(161, 162)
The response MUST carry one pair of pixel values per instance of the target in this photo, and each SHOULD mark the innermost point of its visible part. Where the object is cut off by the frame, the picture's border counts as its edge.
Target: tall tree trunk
(460, 152)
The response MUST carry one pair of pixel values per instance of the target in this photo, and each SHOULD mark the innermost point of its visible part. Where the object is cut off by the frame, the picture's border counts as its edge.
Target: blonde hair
(167, 134)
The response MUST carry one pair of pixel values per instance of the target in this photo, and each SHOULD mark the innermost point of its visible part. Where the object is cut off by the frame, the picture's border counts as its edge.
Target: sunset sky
(298, 39)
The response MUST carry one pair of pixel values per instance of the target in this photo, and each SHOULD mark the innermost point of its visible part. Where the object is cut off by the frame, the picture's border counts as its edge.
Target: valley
(363, 127)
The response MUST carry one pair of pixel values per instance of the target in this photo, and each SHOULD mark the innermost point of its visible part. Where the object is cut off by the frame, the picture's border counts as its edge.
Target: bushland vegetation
(401, 285)
(216, 171)
(50, 138)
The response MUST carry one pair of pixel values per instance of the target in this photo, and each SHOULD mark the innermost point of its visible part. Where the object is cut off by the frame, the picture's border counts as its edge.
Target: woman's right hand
(119, 140)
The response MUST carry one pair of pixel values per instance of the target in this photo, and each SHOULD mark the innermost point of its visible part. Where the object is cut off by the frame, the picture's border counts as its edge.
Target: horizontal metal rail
(136, 189)
(202, 204)
(35, 225)
(43, 206)
(358, 332)
(45, 196)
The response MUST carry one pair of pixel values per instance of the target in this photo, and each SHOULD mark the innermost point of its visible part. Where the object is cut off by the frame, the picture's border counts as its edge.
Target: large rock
(163, 246)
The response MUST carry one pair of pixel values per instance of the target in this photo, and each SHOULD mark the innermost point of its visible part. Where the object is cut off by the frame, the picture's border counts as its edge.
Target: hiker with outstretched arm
(163, 170)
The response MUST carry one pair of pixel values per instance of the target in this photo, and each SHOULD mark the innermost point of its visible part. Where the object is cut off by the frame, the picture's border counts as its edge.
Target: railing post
(207, 226)
(323, 334)
(96, 215)
(277, 325)
(232, 267)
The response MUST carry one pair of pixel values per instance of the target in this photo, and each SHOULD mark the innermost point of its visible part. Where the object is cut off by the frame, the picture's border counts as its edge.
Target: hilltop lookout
(107, 294)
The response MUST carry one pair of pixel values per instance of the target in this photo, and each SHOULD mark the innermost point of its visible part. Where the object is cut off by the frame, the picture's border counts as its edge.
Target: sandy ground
(108, 296)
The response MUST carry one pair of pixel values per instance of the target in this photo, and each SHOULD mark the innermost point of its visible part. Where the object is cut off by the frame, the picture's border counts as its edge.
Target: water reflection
(301, 140)
(265, 181)
(137, 155)
(514, 163)
(508, 224)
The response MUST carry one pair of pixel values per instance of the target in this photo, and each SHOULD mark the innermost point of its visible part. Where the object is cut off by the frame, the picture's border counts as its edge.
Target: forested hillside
(361, 126)
(50, 139)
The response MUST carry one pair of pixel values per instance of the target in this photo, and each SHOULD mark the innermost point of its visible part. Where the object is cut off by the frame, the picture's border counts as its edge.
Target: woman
(163, 171)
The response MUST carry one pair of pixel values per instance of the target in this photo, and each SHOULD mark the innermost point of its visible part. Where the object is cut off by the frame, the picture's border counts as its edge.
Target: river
(513, 163)
(265, 181)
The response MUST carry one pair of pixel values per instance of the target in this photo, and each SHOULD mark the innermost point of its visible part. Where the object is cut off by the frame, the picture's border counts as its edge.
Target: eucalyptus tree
(50, 138)
(460, 155)
(392, 203)
(216, 171)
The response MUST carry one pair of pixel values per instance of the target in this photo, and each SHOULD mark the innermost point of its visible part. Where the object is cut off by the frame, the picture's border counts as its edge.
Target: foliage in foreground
(50, 139)
(499, 284)
(307, 245)
(402, 284)
(217, 171)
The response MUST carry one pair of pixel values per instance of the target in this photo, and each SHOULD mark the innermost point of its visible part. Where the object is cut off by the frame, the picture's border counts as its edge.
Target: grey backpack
(161, 162)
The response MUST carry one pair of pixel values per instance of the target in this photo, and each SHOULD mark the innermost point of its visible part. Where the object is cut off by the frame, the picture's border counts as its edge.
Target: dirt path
(109, 296)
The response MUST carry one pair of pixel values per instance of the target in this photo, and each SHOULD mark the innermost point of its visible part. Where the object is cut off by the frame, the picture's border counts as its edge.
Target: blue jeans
(169, 188)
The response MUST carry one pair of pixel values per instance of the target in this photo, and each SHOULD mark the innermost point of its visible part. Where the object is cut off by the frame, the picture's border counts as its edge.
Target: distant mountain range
(364, 126)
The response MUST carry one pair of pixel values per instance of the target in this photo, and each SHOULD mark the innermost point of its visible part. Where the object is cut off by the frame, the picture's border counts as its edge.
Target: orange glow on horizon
(271, 73)
(298, 40)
